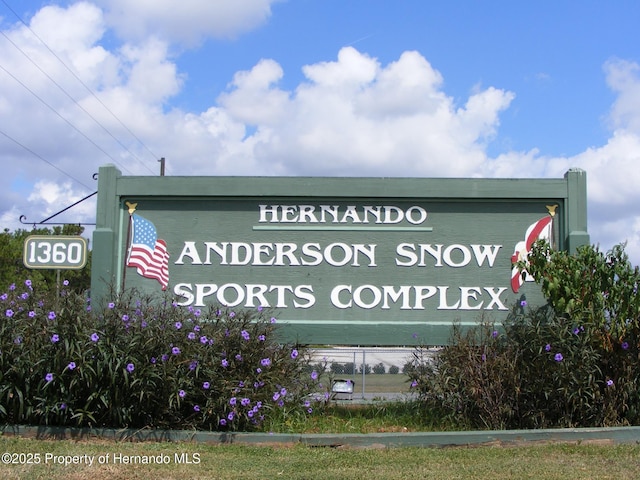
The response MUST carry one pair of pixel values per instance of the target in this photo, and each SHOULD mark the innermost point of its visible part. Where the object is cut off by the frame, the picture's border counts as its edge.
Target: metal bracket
(23, 218)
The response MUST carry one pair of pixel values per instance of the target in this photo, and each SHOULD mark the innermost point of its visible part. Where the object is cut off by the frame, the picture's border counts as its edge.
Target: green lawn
(552, 461)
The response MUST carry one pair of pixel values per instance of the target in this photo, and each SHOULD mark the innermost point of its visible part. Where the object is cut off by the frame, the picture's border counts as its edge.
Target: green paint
(367, 261)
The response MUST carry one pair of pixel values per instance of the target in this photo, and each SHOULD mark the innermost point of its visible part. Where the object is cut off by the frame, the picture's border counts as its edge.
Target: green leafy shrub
(572, 363)
(144, 362)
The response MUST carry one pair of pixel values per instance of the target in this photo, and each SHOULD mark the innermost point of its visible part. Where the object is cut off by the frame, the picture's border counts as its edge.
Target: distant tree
(336, 368)
(12, 269)
(349, 368)
(379, 368)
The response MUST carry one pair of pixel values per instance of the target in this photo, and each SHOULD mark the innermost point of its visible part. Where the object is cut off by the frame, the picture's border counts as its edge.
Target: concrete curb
(609, 435)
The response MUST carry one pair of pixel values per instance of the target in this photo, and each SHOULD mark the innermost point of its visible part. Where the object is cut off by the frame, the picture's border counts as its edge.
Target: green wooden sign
(354, 261)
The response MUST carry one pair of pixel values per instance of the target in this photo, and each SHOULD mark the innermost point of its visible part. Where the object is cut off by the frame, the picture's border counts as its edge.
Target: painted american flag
(147, 253)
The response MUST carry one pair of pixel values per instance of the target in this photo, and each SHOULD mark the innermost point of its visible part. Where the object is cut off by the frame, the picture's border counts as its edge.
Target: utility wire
(82, 83)
(72, 99)
(59, 115)
(42, 158)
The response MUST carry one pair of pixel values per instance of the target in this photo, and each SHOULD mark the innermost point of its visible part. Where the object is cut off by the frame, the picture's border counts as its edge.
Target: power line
(59, 115)
(85, 86)
(72, 99)
(42, 158)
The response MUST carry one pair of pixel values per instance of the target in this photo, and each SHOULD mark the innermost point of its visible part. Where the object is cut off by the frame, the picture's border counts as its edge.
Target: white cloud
(623, 77)
(350, 116)
(355, 116)
(254, 100)
(187, 22)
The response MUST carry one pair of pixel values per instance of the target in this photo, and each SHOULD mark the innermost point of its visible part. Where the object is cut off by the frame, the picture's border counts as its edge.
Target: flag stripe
(538, 230)
(148, 254)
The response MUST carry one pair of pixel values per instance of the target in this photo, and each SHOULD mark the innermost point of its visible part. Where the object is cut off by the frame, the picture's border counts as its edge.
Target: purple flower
(547, 347)
(624, 345)
(27, 283)
(63, 406)
(197, 313)
(32, 314)
(283, 391)
(203, 339)
(52, 316)
(276, 396)
(231, 415)
(273, 319)
(175, 351)
(196, 408)
(48, 377)
(111, 305)
(314, 375)
(245, 334)
(558, 357)
(224, 363)
(130, 367)
(239, 357)
(153, 360)
(94, 337)
(223, 422)
(193, 365)
(191, 336)
(609, 383)
(9, 313)
(232, 401)
(245, 401)
(196, 328)
(182, 393)
(125, 318)
(262, 338)
(55, 338)
(206, 385)
(232, 314)
(265, 362)
(294, 354)
(178, 325)
(164, 357)
(65, 283)
(258, 370)
(494, 334)
(523, 303)
(576, 331)
(71, 366)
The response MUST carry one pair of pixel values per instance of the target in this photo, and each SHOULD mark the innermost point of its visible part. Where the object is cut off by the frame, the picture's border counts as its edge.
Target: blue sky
(320, 87)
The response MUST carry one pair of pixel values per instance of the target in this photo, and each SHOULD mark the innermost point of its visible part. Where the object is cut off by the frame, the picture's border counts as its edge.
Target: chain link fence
(372, 373)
